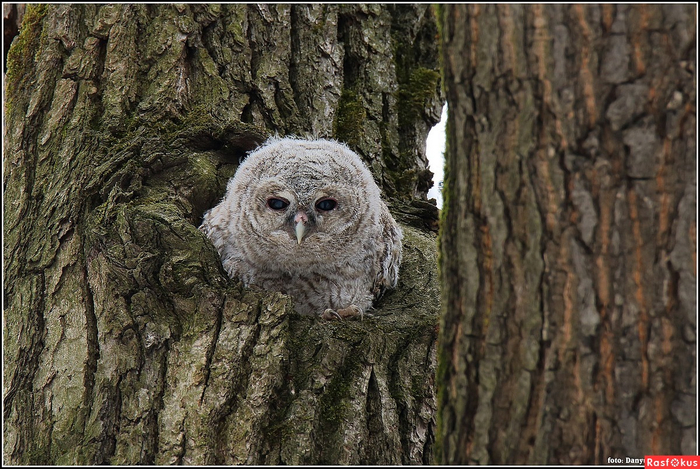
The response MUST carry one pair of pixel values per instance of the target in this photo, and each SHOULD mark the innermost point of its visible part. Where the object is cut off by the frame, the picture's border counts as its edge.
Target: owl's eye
(326, 205)
(276, 203)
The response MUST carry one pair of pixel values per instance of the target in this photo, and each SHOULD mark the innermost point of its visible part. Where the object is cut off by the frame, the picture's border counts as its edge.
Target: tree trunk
(125, 342)
(568, 244)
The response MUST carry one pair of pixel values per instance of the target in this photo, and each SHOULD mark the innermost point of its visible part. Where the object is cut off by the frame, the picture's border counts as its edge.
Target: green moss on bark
(20, 57)
(350, 119)
(414, 95)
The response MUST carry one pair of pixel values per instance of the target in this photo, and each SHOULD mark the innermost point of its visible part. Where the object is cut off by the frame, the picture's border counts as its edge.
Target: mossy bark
(125, 342)
(568, 236)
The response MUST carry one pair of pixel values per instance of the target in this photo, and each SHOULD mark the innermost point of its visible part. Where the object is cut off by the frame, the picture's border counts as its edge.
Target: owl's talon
(351, 311)
(331, 315)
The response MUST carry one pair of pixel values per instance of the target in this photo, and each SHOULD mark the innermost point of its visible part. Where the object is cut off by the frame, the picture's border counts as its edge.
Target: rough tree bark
(125, 342)
(568, 244)
(12, 14)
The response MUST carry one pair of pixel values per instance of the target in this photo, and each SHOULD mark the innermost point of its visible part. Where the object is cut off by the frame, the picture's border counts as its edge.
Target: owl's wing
(389, 256)
(216, 226)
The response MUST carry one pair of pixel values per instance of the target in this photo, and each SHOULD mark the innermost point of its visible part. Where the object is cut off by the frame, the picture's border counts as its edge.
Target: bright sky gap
(435, 151)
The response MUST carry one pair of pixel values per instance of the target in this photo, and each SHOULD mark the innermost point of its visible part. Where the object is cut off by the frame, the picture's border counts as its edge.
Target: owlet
(305, 217)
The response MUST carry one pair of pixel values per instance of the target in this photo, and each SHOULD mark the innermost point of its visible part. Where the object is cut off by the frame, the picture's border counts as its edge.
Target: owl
(305, 218)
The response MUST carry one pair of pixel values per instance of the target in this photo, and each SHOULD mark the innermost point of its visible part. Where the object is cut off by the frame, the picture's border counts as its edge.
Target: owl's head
(300, 200)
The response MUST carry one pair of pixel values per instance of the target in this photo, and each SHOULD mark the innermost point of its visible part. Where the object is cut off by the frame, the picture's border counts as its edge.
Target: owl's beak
(300, 219)
(300, 229)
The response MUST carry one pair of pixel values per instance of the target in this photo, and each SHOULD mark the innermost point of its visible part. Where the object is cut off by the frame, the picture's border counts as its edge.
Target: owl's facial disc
(305, 211)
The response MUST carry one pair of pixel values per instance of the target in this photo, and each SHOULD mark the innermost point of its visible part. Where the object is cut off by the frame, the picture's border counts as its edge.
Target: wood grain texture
(569, 318)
